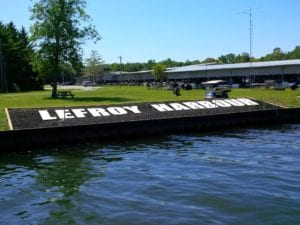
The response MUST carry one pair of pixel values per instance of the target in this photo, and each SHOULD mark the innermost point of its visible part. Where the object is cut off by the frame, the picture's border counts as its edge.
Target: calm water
(246, 176)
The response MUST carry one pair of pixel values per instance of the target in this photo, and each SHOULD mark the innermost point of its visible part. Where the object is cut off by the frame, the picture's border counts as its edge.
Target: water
(245, 176)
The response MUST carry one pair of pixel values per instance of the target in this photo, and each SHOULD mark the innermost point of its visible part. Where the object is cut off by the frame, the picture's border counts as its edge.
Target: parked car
(88, 84)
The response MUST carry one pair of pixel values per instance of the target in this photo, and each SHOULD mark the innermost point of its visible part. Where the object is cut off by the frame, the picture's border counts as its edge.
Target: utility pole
(120, 57)
(3, 78)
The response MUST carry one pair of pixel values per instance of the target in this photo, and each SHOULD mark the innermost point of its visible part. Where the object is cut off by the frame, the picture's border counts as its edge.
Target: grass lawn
(128, 94)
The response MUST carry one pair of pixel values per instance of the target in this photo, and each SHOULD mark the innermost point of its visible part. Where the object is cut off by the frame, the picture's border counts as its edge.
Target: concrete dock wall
(29, 139)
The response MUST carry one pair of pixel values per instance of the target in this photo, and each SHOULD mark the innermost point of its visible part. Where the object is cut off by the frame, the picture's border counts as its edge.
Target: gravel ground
(73, 87)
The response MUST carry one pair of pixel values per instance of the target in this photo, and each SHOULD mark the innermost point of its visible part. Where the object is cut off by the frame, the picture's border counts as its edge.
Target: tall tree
(93, 64)
(159, 72)
(16, 54)
(60, 27)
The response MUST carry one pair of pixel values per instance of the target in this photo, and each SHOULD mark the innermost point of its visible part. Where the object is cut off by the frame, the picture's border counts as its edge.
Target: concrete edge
(10, 126)
(30, 139)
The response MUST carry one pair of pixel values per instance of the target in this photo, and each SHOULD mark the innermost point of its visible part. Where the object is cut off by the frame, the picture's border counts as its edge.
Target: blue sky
(139, 30)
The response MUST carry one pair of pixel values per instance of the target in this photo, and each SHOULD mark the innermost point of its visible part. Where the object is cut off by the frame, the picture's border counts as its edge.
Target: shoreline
(32, 130)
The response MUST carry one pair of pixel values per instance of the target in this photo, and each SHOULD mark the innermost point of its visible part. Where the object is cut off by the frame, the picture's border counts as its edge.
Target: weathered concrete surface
(137, 126)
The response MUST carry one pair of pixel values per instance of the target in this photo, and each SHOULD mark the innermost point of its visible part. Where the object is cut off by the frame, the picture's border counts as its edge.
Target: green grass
(129, 94)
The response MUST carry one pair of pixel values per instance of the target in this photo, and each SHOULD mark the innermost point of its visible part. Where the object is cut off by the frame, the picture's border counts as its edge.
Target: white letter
(64, 114)
(96, 112)
(247, 101)
(162, 107)
(117, 110)
(45, 115)
(179, 107)
(207, 104)
(234, 102)
(79, 113)
(221, 103)
(133, 109)
(193, 105)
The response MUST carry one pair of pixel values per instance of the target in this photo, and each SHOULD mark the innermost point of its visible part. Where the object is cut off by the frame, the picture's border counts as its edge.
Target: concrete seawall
(28, 139)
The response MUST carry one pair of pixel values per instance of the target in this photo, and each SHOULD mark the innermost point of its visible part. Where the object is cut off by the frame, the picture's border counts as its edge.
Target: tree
(188, 62)
(93, 64)
(277, 54)
(16, 55)
(242, 58)
(60, 27)
(295, 54)
(159, 72)
(227, 59)
(168, 62)
(209, 60)
(150, 64)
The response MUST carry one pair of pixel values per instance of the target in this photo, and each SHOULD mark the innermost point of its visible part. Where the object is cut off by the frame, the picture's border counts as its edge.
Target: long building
(255, 72)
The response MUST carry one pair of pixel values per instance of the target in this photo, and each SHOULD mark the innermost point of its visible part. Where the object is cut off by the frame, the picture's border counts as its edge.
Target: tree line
(16, 53)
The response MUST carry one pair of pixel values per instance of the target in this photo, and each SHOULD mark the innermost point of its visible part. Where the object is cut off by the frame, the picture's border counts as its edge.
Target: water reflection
(61, 176)
(215, 178)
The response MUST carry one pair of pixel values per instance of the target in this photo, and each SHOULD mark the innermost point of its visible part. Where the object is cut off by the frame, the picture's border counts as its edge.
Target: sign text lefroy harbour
(96, 112)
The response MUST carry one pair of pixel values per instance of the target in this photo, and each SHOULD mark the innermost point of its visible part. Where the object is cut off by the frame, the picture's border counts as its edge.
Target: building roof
(203, 67)
(216, 66)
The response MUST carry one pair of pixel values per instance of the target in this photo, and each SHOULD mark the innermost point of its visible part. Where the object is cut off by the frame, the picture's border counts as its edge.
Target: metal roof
(203, 67)
(216, 66)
